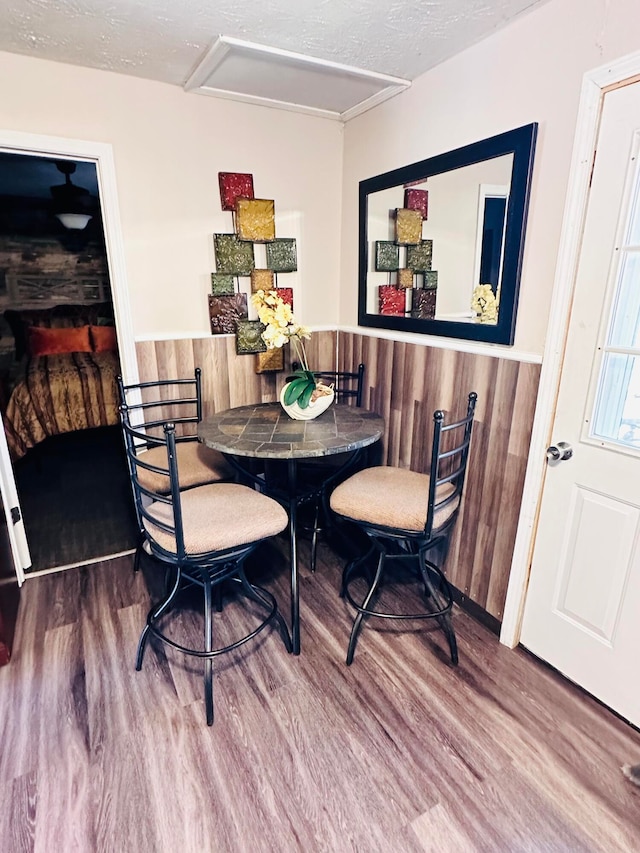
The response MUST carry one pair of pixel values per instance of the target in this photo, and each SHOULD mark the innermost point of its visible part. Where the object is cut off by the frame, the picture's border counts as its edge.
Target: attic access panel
(257, 74)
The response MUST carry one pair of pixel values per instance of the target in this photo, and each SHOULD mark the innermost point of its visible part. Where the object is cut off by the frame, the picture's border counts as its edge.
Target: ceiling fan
(73, 205)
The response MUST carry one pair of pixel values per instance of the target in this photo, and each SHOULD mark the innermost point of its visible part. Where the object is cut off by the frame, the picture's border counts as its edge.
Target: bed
(64, 377)
(61, 393)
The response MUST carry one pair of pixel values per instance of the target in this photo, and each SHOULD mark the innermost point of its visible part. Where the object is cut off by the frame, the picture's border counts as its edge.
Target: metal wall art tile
(255, 219)
(226, 311)
(261, 280)
(423, 303)
(234, 185)
(222, 284)
(387, 256)
(286, 294)
(232, 255)
(417, 200)
(270, 360)
(408, 226)
(281, 255)
(419, 257)
(249, 337)
(391, 300)
(405, 278)
(430, 280)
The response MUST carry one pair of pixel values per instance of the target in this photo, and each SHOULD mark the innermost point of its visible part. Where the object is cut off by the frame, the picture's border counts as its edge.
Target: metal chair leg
(153, 616)
(168, 572)
(314, 535)
(256, 595)
(208, 647)
(353, 639)
(137, 558)
(444, 620)
(350, 567)
(217, 597)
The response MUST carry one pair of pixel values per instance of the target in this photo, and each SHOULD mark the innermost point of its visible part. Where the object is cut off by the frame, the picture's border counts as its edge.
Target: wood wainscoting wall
(406, 383)
(228, 380)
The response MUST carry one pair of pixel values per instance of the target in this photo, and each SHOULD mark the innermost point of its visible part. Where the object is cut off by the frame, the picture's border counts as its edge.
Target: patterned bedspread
(61, 393)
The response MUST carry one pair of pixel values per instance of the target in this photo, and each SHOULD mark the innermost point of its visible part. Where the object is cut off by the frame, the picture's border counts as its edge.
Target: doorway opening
(59, 358)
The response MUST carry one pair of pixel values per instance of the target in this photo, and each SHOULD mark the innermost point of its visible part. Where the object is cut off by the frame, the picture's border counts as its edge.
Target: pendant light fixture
(74, 206)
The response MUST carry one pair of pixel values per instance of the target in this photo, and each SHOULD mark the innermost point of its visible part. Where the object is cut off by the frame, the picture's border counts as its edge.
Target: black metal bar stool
(406, 514)
(202, 537)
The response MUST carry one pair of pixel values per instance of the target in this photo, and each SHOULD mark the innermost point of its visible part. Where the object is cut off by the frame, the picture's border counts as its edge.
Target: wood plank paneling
(227, 379)
(406, 383)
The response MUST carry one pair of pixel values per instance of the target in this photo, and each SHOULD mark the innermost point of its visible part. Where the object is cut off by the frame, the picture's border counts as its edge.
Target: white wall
(530, 71)
(168, 148)
(454, 219)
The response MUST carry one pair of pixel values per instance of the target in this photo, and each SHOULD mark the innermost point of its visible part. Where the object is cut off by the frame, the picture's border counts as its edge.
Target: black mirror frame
(519, 142)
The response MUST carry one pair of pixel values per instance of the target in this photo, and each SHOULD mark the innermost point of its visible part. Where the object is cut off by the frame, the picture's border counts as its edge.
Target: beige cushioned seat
(197, 466)
(219, 516)
(391, 497)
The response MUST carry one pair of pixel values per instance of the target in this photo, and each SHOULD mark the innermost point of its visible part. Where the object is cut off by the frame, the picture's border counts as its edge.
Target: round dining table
(264, 431)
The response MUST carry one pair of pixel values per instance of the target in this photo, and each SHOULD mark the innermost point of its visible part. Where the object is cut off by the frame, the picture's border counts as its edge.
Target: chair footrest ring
(198, 653)
(445, 590)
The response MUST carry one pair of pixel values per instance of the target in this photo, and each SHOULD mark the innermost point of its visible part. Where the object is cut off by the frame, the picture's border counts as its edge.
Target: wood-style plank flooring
(399, 752)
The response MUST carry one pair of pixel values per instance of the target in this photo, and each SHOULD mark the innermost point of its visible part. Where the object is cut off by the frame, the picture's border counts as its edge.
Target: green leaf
(298, 374)
(293, 390)
(305, 396)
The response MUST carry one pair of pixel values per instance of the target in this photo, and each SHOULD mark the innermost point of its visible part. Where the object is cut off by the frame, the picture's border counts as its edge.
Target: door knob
(559, 452)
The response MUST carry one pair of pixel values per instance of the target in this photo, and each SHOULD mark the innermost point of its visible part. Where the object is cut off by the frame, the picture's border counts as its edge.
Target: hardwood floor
(399, 752)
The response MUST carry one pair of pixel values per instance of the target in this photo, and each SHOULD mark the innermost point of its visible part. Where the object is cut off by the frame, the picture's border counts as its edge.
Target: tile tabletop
(266, 431)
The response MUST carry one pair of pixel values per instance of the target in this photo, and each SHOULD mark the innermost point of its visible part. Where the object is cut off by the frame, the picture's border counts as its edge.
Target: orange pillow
(103, 338)
(43, 341)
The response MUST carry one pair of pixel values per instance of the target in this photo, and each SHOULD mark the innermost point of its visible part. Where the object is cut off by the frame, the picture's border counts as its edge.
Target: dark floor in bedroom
(76, 498)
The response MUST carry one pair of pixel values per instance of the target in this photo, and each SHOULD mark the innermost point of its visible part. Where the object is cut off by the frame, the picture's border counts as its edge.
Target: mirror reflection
(457, 244)
(442, 240)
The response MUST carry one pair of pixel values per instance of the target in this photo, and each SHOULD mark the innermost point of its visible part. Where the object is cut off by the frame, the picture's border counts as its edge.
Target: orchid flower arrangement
(281, 328)
(485, 303)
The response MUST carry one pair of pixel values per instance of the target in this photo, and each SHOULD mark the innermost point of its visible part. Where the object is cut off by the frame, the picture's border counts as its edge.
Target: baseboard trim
(478, 613)
(42, 572)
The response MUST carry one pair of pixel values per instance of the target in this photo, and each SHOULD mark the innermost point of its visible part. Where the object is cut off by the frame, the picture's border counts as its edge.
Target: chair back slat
(144, 496)
(178, 401)
(157, 425)
(448, 465)
(453, 477)
(347, 384)
(176, 503)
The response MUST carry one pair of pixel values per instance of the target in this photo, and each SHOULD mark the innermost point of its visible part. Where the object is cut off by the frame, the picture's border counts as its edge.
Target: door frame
(595, 85)
(102, 155)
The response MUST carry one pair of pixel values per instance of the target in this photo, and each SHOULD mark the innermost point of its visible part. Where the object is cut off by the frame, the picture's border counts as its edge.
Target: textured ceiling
(165, 39)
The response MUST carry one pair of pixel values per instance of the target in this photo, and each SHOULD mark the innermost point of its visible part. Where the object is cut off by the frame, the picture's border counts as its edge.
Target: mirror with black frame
(441, 241)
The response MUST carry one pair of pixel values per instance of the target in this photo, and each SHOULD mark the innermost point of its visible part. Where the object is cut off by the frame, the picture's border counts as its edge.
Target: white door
(12, 511)
(582, 612)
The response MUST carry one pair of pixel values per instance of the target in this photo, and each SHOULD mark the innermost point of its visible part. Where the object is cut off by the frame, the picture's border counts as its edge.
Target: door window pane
(617, 412)
(625, 328)
(633, 237)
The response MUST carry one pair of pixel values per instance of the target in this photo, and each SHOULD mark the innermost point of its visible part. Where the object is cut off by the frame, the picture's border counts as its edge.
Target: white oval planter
(313, 409)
